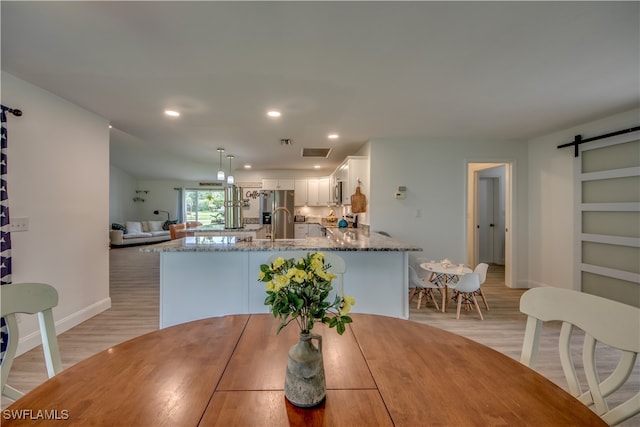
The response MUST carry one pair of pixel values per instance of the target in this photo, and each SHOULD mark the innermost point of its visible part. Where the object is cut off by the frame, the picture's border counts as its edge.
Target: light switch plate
(19, 224)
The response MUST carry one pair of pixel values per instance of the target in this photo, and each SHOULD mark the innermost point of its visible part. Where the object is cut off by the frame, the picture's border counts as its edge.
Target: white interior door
(486, 219)
(607, 218)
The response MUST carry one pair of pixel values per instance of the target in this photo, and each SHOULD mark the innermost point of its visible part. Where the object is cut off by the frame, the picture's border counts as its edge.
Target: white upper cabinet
(312, 192)
(278, 184)
(353, 172)
(319, 193)
(301, 193)
(324, 192)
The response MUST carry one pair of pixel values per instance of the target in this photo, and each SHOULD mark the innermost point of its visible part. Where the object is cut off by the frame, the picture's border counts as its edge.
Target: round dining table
(229, 371)
(449, 273)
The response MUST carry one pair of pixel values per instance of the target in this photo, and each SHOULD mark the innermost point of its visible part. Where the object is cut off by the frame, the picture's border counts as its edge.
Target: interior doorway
(489, 210)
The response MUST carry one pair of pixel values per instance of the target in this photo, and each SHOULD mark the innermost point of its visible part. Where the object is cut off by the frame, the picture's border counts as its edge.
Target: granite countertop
(338, 239)
(220, 229)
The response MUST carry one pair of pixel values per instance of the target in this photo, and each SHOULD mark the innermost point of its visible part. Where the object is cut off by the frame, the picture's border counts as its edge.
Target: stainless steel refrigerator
(278, 203)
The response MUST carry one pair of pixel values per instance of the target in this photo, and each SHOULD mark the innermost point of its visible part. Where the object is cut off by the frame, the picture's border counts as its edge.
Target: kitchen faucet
(273, 220)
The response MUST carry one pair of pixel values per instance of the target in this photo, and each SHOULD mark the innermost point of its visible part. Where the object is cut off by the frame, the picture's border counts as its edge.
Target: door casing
(473, 169)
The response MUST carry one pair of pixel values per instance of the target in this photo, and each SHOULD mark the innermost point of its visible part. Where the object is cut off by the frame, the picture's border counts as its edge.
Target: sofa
(138, 233)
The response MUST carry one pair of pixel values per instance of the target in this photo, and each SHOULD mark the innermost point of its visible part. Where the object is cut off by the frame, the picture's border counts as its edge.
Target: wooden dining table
(229, 371)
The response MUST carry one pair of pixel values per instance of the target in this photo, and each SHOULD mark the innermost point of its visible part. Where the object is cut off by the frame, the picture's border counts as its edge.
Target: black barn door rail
(577, 140)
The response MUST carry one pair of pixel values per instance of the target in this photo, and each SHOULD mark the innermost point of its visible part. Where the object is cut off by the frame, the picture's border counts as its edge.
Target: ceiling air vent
(316, 152)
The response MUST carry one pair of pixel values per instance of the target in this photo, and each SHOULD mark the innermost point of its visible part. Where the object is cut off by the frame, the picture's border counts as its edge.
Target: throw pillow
(116, 226)
(155, 225)
(167, 223)
(145, 226)
(133, 227)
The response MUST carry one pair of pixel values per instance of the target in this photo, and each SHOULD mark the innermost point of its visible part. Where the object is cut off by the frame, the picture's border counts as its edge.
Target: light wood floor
(134, 281)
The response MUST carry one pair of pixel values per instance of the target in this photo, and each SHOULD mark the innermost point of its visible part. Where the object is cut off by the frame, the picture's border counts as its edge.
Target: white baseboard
(34, 339)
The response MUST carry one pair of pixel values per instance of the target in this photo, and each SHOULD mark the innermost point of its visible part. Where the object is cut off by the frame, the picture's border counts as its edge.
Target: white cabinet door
(312, 192)
(278, 184)
(324, 191)
(301, 193)
(286, 184)
(318, 191)
(315, 230)
(353, 176)
(269, 184)
(357, 175)
(301, 231)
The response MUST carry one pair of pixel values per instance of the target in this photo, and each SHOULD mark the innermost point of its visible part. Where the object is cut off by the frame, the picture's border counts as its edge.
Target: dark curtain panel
(5, 236)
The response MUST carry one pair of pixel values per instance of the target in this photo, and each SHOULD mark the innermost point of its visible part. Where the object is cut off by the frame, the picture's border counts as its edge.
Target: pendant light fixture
(220, 171)
(230, 179)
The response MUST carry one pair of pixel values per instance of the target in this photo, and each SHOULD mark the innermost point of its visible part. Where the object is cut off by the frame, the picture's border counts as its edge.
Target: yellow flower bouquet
(298, 290)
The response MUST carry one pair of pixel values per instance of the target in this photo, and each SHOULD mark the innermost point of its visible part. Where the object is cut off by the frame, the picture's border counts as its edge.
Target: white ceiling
(452, 70)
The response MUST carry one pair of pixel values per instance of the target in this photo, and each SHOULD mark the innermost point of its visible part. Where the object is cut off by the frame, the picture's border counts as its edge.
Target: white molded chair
(30, 298)
(602, 320)
(465, 290)
(338, 266)
(482, 269)
(421, 287)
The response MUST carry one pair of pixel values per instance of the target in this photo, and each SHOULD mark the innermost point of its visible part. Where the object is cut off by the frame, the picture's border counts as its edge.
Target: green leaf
(297, 302)
(307, 302)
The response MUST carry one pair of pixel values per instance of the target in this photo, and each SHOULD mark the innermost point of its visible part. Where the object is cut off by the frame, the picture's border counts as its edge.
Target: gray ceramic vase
(304, 383)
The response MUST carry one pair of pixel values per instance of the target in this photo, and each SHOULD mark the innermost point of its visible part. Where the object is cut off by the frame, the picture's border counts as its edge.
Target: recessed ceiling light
(316, 166)
(274, 113)
(247, 166)
(333, 136)
(110, 126)
(171, 113)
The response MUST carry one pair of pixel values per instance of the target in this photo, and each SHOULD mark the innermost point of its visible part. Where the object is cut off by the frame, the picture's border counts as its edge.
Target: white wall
(161, 196)
(58, 177)
(551, 191)
(433, 214)
(122, 189)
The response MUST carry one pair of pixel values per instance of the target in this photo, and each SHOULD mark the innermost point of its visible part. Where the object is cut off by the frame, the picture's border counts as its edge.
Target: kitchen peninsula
(206, 276)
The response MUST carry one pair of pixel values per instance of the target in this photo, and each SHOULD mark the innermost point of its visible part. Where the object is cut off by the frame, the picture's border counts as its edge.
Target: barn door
(608, 218)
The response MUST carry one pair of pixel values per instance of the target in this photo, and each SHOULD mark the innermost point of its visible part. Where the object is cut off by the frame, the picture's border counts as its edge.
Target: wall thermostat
(400, 192)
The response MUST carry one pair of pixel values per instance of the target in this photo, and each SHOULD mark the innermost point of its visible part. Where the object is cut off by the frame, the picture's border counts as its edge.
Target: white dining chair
(482, 269)
(465, 292)
(603, 321)
(29, 298)
(421, 287)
